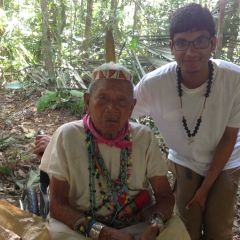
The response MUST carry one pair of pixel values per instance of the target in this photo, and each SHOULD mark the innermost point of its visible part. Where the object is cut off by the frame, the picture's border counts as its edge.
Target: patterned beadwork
(116, 196)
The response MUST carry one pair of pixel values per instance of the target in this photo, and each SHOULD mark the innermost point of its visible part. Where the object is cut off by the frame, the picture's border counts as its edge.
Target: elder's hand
(108, 233)
(41, 143)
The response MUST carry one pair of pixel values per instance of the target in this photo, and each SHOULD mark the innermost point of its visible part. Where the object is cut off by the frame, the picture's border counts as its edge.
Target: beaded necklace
(117, 190)
(192, 134)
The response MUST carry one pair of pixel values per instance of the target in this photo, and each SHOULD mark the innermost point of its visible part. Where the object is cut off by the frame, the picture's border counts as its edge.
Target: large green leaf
(47, 100)
(68, 99)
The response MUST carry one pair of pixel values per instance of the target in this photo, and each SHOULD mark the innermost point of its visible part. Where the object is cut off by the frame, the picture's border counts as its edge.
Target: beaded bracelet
(81, 225)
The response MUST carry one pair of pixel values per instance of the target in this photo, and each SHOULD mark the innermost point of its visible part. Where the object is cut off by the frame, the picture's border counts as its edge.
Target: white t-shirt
(157, 96)
(66, 158)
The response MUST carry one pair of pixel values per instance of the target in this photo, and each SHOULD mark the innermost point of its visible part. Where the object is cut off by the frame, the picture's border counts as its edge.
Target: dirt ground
(19, 124)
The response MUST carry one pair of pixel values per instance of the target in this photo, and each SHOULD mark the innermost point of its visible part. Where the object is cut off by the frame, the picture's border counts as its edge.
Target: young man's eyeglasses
(201, 42)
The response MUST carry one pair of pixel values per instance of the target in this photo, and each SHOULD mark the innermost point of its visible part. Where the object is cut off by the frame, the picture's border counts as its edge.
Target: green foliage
(5, 142)
(47, 100)
(133, 45)
(2, 21)
(21, 32)
(72, 100)
(5, 170)
(19, 36)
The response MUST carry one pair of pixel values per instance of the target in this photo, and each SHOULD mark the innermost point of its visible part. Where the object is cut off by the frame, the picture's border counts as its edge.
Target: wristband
(142, 199)
(89, 226)
(96, 230)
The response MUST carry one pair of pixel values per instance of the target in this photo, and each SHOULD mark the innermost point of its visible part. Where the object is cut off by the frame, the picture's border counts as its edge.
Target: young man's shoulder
(226, 66)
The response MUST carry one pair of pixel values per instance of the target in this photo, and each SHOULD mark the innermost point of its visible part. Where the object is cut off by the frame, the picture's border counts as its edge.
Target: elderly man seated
(103, 167)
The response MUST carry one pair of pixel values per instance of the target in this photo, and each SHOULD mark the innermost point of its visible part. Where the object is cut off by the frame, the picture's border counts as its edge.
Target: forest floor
(19, 124)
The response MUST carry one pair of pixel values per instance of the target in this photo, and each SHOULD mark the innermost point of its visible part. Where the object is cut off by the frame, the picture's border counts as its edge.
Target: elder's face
(110, 106)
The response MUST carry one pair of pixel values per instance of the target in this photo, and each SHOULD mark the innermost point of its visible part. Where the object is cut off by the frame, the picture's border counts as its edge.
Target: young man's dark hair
(192, 17)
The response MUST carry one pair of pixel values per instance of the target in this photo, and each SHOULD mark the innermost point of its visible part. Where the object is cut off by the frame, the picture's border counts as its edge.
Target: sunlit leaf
(76, 93)
(133, 43)
(30, 135)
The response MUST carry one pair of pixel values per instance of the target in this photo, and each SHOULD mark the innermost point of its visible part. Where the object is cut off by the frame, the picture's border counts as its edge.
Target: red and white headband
(111, 71)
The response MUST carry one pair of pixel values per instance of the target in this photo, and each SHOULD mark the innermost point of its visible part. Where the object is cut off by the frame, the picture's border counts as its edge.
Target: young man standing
(195, 102)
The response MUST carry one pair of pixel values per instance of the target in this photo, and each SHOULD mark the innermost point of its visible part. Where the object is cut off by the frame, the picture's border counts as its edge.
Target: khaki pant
(217, 220)
(18, 224)
(174, 230)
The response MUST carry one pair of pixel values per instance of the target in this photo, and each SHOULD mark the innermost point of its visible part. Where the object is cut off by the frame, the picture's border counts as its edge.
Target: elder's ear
(86, 97)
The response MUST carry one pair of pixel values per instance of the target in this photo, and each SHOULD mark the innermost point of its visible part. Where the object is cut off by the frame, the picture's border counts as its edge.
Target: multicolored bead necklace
(192, 134)
(117, 190)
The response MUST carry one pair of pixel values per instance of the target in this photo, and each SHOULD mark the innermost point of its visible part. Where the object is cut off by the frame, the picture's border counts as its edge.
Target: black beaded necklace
(192, 134)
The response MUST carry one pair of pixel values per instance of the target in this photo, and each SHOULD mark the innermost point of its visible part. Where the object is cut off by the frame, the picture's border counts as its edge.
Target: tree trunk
(2, 4)
(63, 16)
(113, 23)
(110, 47)
(58, 22)
(88, 28)
(46, 41)
(135, 17)
(234, 28)
(220, 28)
(79, 31)
(113, 11)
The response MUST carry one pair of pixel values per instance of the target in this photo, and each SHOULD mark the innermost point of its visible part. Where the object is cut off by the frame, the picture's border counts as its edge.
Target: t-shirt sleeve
(141, 94)
(56, 154)
(234, 120)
